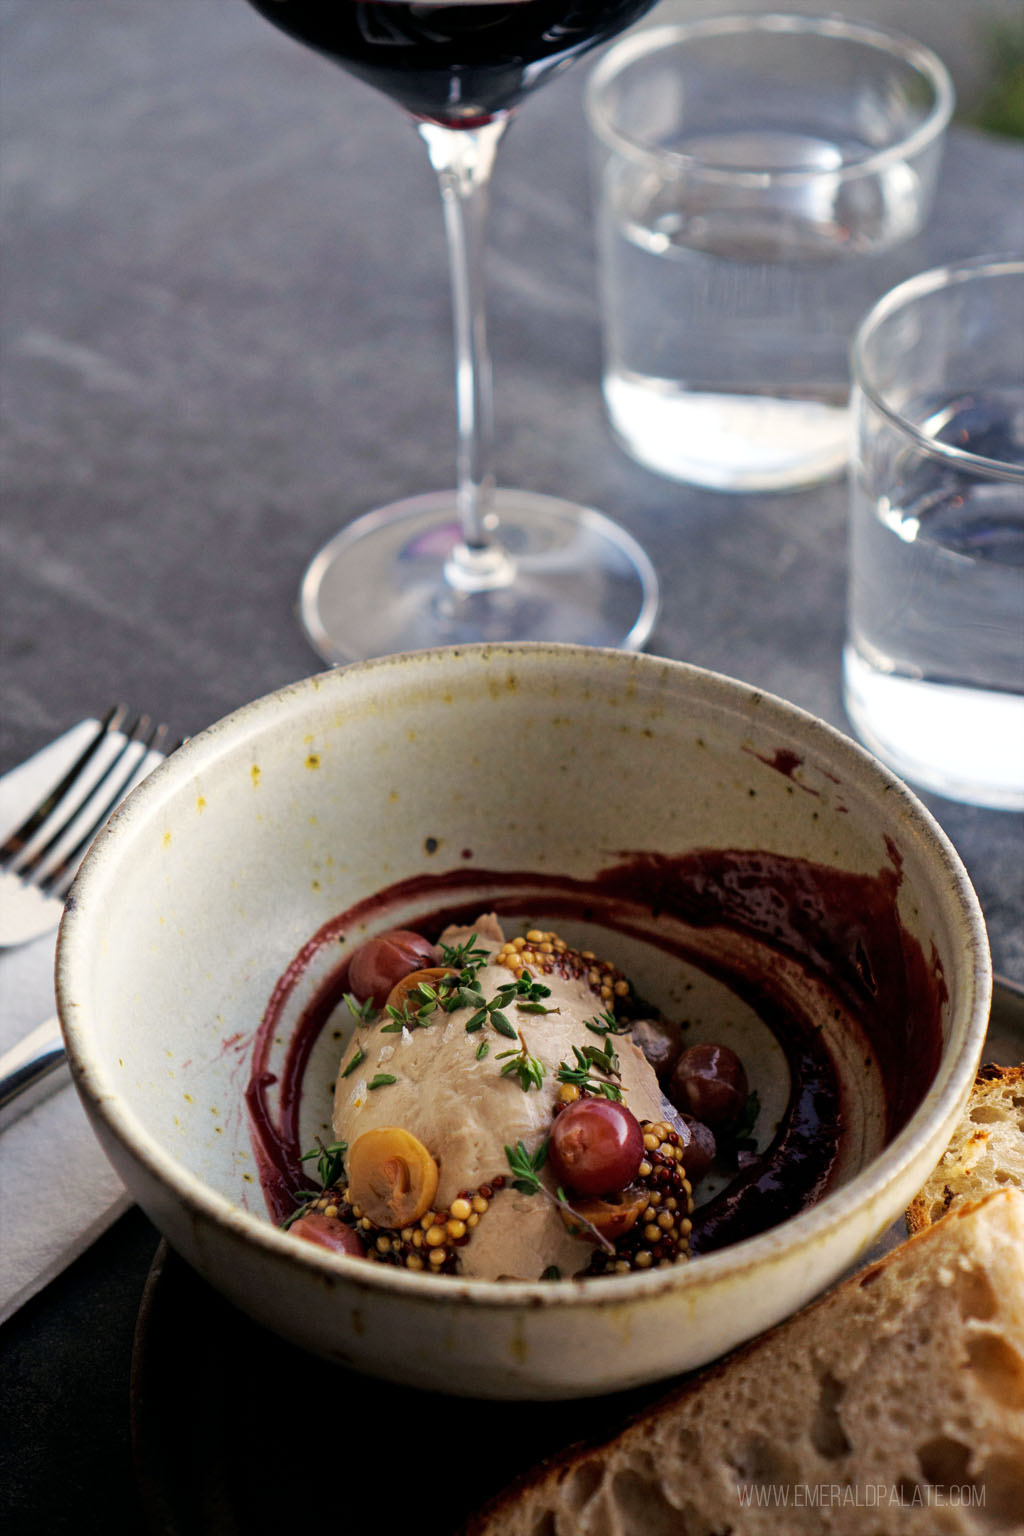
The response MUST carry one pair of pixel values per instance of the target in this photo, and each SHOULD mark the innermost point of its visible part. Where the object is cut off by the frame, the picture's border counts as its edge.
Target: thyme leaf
(381, 1080)
(748, 1119)
(363, 1011)
(503, 1024)
(357, 1056)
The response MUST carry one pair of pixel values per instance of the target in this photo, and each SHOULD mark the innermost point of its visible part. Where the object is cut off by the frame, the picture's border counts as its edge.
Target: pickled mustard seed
(381, 1080)
(357, 1056)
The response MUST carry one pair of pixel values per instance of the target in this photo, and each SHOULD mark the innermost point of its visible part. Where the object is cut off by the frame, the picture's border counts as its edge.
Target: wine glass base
(379, 587)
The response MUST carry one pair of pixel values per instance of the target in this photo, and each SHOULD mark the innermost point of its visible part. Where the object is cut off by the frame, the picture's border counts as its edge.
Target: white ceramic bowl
(443, 772)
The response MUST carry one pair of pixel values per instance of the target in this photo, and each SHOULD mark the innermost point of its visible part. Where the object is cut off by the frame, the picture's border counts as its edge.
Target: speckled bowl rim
(805, 1231)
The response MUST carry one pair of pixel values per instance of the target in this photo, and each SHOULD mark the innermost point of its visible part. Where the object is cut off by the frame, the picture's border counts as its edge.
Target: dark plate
(236, 1431)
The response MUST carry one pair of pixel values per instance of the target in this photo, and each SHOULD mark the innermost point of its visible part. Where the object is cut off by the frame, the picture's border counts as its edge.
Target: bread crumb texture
(986, 1152)
(893, 1405)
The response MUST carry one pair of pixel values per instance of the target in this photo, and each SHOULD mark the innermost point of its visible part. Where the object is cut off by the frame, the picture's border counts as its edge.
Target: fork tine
(152, 739)
(18, 839)
(27, 867)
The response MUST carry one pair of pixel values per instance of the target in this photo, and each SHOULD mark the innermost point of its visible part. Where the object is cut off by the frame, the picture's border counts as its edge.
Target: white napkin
(57, 1190)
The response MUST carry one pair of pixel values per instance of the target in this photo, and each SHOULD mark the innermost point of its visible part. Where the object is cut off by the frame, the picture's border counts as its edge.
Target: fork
(38, 862)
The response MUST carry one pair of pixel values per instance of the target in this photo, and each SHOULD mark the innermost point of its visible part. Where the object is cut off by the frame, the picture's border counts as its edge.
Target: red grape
(699, 1148)
(378, 964)
(709, 1082)
(328, 1232)
(660, 1042)
(596, 1146)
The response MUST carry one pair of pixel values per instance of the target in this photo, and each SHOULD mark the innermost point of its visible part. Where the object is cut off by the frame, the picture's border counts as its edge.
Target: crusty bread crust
(986, 1152)
(893, 1406)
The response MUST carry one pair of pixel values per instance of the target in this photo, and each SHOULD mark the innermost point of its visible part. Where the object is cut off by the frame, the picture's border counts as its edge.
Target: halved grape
(328, 1232)
(377, 965)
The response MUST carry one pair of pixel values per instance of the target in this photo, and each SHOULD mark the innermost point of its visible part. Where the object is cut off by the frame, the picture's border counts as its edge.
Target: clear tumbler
(934, 660)
(758, 179)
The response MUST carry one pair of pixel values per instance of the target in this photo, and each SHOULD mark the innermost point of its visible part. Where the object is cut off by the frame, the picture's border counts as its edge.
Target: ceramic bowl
(745, 863)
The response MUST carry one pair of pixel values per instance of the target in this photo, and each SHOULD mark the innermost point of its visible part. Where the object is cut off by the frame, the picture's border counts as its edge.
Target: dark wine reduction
(458, 64)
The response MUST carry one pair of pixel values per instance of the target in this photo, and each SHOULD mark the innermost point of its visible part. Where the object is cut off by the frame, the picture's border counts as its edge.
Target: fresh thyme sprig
(526, 1167)
(607, 1024)
(579, 1075)
(524, 992)
(604, 1058)
(467, 957)
(330, 1165)
(421, 1002)
(522, 1065)
(330, 1161)
(363, 1011)
(491, 1013)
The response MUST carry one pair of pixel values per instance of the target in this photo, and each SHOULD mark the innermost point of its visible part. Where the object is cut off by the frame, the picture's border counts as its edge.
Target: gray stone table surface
(226, 332)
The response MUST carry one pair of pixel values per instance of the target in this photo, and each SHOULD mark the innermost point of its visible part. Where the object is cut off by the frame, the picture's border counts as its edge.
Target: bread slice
(986, 1152)
(893, 1406)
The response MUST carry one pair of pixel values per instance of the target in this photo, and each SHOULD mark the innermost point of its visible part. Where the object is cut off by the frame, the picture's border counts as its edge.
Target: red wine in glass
(453, 64)
(476, 563)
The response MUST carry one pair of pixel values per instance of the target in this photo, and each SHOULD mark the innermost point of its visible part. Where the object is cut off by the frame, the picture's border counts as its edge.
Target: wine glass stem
(463, 159)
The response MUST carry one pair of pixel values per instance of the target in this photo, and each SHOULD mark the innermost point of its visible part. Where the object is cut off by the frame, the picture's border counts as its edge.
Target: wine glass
(476, 563)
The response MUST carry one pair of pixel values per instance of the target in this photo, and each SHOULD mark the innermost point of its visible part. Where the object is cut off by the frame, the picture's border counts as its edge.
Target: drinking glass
(934, 660)
(476, 563)
(759, 179)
